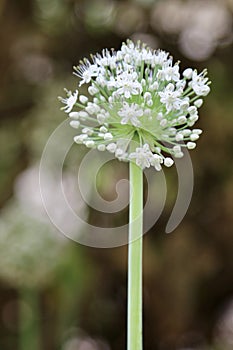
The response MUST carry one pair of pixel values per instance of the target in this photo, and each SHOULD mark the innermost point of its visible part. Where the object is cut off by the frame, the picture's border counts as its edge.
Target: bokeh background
(56, 294)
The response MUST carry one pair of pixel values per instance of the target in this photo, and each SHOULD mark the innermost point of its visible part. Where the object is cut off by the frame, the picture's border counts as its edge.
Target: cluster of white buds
(137, 94)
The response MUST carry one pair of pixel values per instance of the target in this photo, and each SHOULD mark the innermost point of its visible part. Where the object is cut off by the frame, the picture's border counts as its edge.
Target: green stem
(134, 341)
(29, 336)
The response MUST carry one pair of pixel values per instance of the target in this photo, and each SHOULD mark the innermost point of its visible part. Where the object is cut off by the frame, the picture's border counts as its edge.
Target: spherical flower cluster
(137, 94)
(31, 251)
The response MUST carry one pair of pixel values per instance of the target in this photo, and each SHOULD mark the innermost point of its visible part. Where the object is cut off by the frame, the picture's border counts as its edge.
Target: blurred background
(56, 294)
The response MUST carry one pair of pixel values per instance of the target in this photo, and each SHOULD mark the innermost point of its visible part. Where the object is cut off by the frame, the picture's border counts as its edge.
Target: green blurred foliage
(188, 275)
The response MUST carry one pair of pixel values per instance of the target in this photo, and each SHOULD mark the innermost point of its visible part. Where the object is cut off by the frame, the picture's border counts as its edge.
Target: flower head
(137, 94)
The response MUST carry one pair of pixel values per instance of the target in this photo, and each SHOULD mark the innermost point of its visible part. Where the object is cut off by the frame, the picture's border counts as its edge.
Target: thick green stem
(134, 340)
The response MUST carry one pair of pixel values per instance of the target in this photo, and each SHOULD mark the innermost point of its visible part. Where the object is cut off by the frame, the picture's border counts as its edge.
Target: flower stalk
(29, 322)
(135, 251)
(137, 91)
